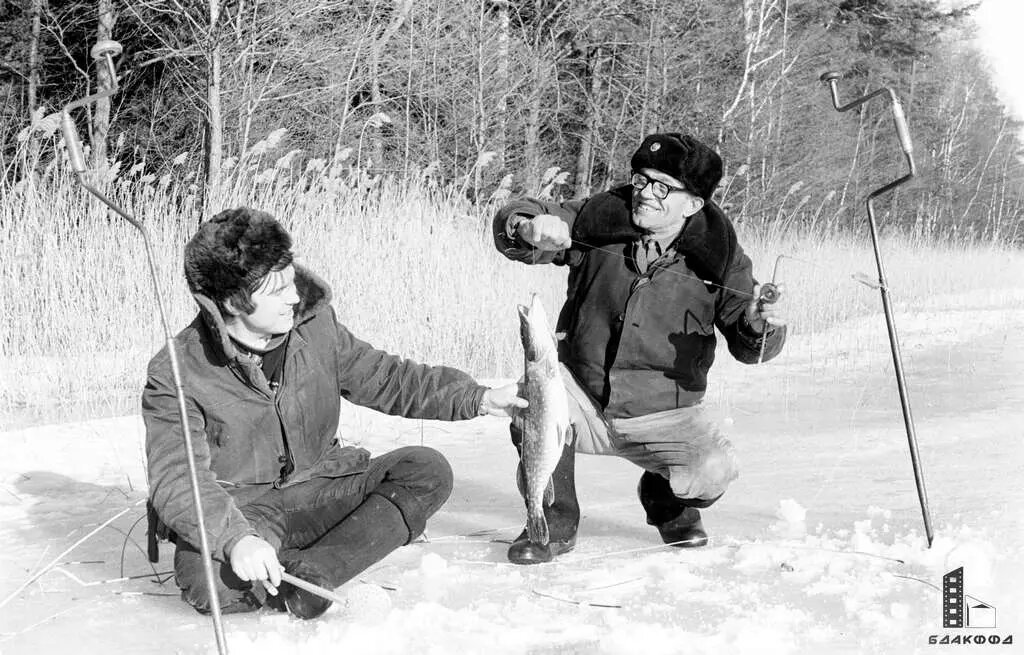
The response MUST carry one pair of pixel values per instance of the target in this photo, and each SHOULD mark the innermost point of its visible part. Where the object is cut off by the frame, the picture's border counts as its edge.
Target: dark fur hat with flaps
(233, 251)
(683, 157)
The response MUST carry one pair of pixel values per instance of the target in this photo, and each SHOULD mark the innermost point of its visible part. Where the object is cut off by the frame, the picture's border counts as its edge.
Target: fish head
(538, 339)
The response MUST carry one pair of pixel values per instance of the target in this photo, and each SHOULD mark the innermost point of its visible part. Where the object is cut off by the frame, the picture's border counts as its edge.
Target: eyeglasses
(659, 188)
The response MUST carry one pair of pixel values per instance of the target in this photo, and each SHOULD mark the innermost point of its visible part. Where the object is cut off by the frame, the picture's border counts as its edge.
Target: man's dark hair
(232, 252)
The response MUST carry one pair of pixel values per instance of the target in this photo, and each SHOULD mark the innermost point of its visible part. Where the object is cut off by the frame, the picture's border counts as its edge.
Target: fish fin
(549, 494)
(519, 418)
(521, 479)
(537, 526)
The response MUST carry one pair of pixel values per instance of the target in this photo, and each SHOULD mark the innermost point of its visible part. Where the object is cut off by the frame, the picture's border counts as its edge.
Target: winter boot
(302, 603)
(361, 539)
(685, 531)
(563, 515)
(677, 519)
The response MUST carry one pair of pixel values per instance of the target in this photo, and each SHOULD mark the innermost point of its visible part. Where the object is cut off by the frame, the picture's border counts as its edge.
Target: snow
(818, 547)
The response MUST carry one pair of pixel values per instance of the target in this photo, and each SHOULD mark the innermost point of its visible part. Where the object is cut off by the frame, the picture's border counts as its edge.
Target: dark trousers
(318, 520)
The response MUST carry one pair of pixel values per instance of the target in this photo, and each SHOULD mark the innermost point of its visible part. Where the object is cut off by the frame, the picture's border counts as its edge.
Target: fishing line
(935, 586)
(535, 259)
(734, 544)
(737, 545)
(859, 277)
(124, 545)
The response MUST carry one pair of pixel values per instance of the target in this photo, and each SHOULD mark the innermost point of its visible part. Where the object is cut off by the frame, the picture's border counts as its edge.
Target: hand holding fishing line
(544, 232)
(763, 309)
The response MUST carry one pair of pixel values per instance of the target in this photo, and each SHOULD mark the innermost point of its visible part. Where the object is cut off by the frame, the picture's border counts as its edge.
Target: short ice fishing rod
(105, 51)
(831, 78)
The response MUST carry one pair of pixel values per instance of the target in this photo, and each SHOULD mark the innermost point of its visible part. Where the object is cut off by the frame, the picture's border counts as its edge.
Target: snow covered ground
(817, 548)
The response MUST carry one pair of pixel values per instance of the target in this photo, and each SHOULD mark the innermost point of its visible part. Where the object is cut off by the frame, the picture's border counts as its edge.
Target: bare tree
(399, 13)
(214, 117)
(107, 18)
(36, 11)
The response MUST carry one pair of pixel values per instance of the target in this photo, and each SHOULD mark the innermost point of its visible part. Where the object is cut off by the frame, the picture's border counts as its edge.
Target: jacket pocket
(216, 433)
(700, 325)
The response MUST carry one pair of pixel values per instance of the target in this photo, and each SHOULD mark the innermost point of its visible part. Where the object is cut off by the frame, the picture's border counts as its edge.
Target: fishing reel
(770, 294)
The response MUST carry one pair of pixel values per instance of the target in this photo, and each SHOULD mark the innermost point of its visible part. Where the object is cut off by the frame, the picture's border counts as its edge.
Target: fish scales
(545, 423)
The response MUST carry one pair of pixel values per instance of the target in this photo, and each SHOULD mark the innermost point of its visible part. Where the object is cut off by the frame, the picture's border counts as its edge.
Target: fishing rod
(831, 78)
(104, 52)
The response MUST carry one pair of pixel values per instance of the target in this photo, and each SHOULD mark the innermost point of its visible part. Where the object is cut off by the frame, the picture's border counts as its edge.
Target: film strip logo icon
(953, 608)
(956, 611)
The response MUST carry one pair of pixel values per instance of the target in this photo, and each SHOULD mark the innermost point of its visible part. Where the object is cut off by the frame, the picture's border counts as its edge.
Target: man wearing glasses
(655, 267)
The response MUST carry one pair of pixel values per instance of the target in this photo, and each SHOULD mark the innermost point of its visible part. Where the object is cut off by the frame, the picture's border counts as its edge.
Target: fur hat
(683, 157)
(233, 251)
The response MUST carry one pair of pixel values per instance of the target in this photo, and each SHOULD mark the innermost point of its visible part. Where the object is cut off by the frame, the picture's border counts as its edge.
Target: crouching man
(265, 364)
(654, 269)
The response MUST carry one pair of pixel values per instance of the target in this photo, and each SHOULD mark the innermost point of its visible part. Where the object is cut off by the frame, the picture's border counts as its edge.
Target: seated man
(655, 268)
(264, 365)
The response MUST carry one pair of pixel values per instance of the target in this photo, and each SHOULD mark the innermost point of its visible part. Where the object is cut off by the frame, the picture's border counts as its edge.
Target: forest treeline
(497, 97)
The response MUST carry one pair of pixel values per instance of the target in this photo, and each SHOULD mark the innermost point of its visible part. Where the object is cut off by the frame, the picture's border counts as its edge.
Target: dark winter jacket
(644, 343)
(240, 426)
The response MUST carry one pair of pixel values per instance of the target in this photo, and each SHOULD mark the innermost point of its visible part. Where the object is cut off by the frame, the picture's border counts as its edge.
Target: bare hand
(253, 558)
(502, 401)
(545, 232)
(761, 314)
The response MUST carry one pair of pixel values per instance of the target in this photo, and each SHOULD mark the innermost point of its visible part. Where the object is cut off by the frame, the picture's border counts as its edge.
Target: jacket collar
(707, 241)
(314, 295)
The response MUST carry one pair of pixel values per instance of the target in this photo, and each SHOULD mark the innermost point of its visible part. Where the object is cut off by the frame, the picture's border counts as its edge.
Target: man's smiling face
(274, 303)
(661, 217)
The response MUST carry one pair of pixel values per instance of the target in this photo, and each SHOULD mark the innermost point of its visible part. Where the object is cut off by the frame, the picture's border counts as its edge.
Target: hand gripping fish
(545, 423)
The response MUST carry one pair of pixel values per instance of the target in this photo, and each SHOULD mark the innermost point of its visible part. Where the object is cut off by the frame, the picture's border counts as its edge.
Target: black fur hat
(232, 252)
(684, 158)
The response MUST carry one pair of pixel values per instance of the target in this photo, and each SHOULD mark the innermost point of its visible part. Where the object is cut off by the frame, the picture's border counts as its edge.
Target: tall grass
(412, 267)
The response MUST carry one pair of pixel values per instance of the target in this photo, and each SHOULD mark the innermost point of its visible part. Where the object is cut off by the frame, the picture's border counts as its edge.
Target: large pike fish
(545, 423)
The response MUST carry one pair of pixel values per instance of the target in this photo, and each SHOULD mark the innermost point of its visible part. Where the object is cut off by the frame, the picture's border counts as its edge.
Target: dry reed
(412, 268)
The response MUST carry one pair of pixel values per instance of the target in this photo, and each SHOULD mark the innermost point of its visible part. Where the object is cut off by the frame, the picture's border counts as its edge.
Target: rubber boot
(363, 538)
(677, 519)
(300, 602)
(563, 515)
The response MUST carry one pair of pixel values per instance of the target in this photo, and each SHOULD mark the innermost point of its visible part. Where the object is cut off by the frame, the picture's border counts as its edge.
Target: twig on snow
(11, 635)
(123, 578)
(383, 585)
(575, 602)
(16, 496)
(38, 574)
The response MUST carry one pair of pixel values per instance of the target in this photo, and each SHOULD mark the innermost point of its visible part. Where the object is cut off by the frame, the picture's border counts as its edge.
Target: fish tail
(537, 526)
